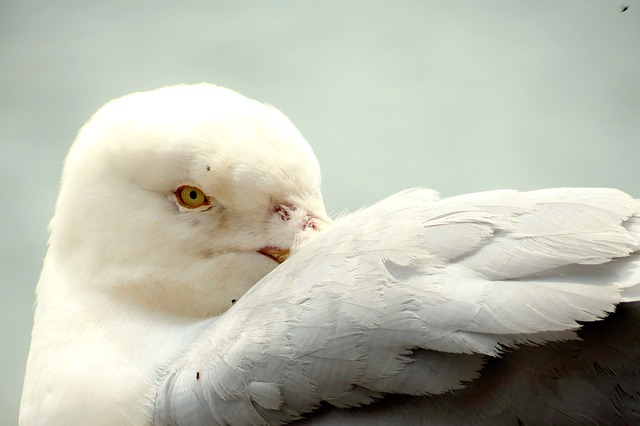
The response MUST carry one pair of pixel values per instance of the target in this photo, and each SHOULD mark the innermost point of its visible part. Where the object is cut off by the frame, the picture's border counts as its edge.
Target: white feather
(437, 301)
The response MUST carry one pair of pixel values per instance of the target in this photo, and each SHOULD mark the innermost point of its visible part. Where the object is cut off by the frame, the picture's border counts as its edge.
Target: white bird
(164, 298)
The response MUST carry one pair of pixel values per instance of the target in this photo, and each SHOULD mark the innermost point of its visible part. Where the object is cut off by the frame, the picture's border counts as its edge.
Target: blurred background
(458, 96)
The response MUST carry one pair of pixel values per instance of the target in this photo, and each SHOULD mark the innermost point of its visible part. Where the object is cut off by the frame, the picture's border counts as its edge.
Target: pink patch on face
(310, 223)
(283, 211)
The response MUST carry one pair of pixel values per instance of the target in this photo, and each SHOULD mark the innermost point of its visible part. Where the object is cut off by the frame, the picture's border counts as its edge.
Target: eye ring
(191, 197)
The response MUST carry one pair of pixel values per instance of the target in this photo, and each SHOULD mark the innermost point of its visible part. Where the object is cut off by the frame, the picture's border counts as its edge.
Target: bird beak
(276, 253)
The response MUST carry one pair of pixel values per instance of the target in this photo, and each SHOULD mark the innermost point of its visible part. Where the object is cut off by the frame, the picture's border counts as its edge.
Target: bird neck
(91, 353)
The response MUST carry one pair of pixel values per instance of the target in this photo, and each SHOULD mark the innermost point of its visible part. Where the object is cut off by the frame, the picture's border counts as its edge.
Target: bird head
(182, 198)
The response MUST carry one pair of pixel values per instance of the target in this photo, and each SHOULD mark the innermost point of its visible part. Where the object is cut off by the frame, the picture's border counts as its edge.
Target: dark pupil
(193, 195)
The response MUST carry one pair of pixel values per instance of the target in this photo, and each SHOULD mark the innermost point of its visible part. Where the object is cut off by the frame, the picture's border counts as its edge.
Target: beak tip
(275, 253)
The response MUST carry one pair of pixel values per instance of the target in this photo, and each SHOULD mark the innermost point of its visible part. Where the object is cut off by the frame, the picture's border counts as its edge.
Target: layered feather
(404, 297)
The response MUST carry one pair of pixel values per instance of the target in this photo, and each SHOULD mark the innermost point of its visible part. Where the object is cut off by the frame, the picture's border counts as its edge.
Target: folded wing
(407, 297)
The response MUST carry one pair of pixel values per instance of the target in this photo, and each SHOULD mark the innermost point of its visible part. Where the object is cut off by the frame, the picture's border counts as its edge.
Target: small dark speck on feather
(624, 8)
(197, 375)
(233, 301)
(208, 168)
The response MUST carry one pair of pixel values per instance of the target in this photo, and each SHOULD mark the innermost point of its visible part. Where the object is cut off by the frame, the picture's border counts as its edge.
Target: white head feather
(125, 267)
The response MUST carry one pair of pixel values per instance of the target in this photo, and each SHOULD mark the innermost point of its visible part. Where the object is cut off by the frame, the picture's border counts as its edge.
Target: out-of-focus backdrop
(459, 96)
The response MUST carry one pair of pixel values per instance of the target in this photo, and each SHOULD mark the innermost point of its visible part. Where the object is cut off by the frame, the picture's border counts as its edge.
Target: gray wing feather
(594, 381)
(408, 289)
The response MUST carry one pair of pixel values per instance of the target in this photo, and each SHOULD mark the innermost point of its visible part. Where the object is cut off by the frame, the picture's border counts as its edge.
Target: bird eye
(191, 197)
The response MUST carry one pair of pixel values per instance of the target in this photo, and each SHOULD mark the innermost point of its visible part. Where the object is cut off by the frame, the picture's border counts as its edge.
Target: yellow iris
(191, 197)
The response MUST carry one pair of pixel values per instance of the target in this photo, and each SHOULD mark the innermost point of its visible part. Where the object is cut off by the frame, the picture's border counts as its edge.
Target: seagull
(193, 277)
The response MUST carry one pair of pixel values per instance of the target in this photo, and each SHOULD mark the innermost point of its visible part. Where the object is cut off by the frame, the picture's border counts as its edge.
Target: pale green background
(458, 96)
